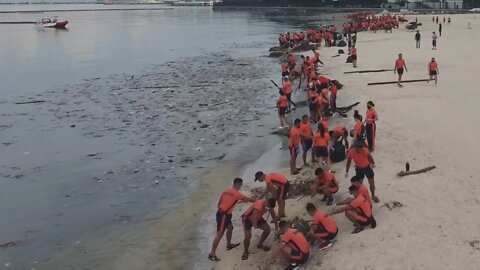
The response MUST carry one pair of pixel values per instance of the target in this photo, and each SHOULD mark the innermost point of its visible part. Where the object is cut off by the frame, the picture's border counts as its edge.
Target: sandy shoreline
(436, 227)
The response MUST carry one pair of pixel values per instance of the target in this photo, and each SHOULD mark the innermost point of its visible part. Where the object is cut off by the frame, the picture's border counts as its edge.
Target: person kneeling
(358, 211)
(324, 228)
(326, 184)
(294, 247)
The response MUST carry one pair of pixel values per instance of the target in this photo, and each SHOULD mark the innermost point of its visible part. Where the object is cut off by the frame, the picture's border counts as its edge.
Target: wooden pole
(395, 82)
(367, 71)
(404, 173)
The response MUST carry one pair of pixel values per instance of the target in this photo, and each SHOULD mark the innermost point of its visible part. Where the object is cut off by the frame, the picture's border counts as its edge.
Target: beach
(424, 221)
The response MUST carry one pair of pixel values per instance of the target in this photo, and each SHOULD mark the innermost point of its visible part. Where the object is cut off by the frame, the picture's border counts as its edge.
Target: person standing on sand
(370, 126)
(287, 89)
(226, 203)
(278, 185)
(399, 67)
(326, 184)
(433, 70)
(306, 135)
(253, 217)
(294, 248)
(282, 105)
(436, 20)
(353, 54)
(358, 130)
(434, 41)
(321, 140)
(417, 39)
(440, 29)
(358, 211)
(324, 227)
(363, 165)
(294, 145)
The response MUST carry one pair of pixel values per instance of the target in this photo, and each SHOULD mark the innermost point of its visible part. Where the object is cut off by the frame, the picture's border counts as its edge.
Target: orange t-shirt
(325, 220)
(432, 66)
(364, 192)
(327, 177)
(258, 205)
(228, 199)
(275, 179)
(284, 67)
(324, 123)
(322, 101)
(287, 87)
(371, 114)
(333, 92)
(360, 159)
(338, 131)
(282, 102)
(360, 203)
(400, 63)
(323, 79)
(320, 141)
(294, 137)
(354, 52)
(306, 130)
(358, 128)
(295, 239)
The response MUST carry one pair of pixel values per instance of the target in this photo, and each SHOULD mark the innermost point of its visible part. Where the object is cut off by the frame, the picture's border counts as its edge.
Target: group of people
(366, 21)
(400, 67)
(325, 34)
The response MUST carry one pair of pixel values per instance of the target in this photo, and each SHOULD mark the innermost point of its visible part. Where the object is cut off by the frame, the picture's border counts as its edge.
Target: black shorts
(434, 42)
(313, 106)
(354, 57)
(321, 151)
(297, 258)
(433, 72)
(285, 73)
(324, 234)
(307, 144)
(323, 86)
(362, 172)
(282, 111)
(400, 71)
(223, 221)
(247, 224)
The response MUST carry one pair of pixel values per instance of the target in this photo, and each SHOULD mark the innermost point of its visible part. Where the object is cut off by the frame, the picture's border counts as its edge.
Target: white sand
(419, 123)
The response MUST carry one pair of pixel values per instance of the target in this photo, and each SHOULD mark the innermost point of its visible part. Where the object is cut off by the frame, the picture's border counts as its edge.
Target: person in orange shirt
(370, 125)
(333, 96)
(358, 130)
(253, 217)
(294, 248)
(399, 67)
(226, 203)
(287, 89)
(294, 145)
(433, 70)
(282, 105)
(324, 227)
(321, 140)
(353, 54)
(358, 211)
(326, 184)
(363, 165)
(340, 133)
(284, 68)
(277, 185)
(306, 135)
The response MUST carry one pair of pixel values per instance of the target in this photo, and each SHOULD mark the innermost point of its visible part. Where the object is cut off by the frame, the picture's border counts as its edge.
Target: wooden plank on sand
(395, 82)
(367, 71)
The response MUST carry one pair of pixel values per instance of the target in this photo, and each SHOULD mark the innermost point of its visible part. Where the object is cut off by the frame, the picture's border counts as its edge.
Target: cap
(258, 175)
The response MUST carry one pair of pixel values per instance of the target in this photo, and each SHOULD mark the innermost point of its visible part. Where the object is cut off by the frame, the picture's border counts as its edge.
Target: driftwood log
(404, 173)
(367, 71)
(30, 102)
(395, 82)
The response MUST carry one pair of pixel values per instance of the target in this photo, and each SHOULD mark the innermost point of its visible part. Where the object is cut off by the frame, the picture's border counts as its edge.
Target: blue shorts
(247, 224)
(307, 144)
(362, 172)
(223, 221)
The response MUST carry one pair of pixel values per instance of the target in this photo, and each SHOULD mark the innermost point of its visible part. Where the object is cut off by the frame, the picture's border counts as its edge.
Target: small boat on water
(48, 23)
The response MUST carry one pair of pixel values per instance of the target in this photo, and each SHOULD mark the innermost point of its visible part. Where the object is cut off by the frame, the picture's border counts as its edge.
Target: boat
(49, 23)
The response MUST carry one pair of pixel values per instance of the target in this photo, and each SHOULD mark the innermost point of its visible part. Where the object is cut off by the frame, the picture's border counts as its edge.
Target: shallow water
(138, 104)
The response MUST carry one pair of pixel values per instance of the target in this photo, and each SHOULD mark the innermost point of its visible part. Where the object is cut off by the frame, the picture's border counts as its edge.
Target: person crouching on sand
(326, 184)
(277, 185)
(400, 66)
(358, 211)
(294, 247)
(324, 227)
(253, 217)
(433, 71)
(226, 203)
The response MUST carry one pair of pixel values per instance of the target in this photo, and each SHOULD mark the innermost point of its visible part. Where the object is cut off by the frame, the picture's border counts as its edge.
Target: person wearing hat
(370, 126)
(363, 165)
(278, 185)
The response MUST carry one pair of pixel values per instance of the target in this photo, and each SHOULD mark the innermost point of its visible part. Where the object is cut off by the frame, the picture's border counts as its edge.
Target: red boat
(48, 23)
